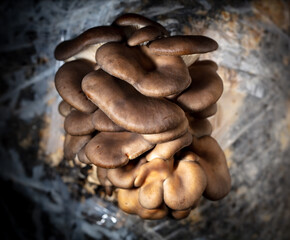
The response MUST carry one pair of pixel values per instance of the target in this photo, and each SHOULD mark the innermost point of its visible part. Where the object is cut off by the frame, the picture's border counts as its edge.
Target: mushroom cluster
(136, 102)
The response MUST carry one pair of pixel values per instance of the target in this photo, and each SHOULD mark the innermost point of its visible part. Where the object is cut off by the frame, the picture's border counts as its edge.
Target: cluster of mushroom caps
(136, 102)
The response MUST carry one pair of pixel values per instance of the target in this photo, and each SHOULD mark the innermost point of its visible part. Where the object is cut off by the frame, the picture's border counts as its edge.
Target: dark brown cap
(151, 75)
(125, 145)
(103, 123)
(92, 36)
(64, 108)
(68, 84)
(144, 35)
(73, 144)
(205, 89)
(79, 123)
(138, 21)
(183, 45)
(128, 108)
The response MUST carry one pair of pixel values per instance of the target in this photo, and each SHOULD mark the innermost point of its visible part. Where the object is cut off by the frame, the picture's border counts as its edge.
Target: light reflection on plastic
(105, 217)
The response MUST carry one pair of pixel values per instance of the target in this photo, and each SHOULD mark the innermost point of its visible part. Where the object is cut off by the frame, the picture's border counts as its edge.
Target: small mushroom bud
(136, 102)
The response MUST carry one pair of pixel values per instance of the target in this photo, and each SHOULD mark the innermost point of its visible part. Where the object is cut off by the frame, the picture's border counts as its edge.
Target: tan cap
(212, 160)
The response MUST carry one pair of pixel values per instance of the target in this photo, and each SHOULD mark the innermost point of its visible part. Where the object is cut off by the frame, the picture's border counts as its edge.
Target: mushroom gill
(136, 102)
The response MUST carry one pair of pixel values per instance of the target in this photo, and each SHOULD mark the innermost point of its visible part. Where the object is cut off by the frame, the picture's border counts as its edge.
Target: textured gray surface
(252, 125)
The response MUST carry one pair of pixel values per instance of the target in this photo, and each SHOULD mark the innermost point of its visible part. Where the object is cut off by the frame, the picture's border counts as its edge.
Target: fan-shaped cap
(128, 202)
(82, 157)
(128, 108)
(166, 150)
(64, 108)
(115, 149)
(92, 36)
(183, 45)
(213, 161)
(123, 177)
(68, 84)
(183, 189)
(205, 89)
(160, 181)
(73, 144)
(151, 75)
(79, 123)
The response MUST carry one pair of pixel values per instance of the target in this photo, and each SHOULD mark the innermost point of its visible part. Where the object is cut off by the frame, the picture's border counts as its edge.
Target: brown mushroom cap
(208, 112)
(115, 149)
(64, 108)
(169, 135)
(79, 123)
(124, 177)
(144, 35)
(82, 157)
(128, 108)
(102, 123)
(205, 89)
(92, 36)
(151, 75)
(199, 127)
(138, 21)
(168, 149)
(128, 202)
(68, 84)
(158, 181)
(150, 180)
(179, 214)
(183, 189)
(183, 45)
(213, 161)
(73, 144)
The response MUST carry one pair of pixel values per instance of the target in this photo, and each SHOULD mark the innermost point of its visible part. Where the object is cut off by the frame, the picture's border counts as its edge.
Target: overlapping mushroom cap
(136, 102)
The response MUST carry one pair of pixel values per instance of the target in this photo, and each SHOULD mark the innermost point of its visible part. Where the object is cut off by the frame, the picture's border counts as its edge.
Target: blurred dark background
(44, 197)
